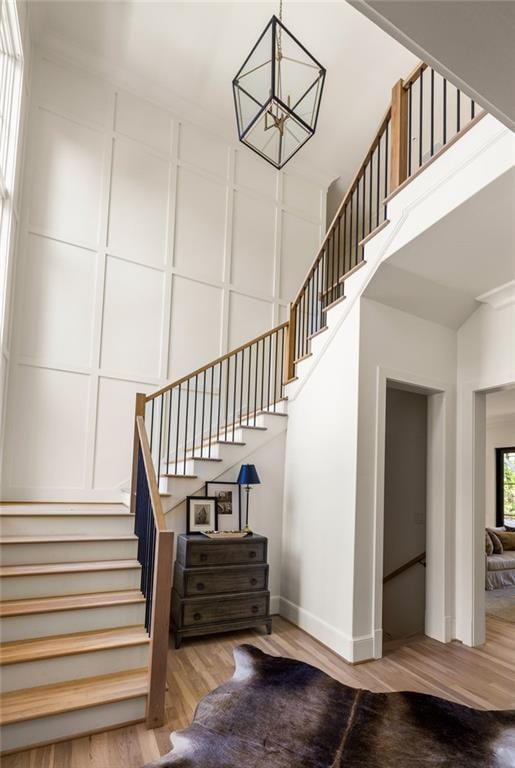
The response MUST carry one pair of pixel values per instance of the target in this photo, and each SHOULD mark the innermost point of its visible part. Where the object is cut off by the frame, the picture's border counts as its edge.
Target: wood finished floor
(479, 677)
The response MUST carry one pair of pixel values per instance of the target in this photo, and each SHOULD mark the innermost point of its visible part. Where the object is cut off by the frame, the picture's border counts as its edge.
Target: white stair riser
(47, 525)
(70, 724)
(63, 668)
(67, 552)
(65, 622)
(43, 585)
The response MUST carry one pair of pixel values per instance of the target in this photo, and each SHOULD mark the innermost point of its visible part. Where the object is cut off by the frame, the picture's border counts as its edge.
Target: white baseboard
(274, 605)
(352, 649)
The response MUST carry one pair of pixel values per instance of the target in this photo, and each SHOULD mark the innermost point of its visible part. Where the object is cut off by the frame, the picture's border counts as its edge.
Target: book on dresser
(219, 585)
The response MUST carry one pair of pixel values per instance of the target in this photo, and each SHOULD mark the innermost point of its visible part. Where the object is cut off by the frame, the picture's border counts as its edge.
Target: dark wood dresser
(219, 585)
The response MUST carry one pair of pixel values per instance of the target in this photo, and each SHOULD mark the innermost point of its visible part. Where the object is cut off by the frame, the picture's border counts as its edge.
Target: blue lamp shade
(248, 475)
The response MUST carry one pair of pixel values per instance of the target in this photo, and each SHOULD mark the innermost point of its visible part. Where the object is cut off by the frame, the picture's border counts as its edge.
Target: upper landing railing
(187, 418)
(425, 114)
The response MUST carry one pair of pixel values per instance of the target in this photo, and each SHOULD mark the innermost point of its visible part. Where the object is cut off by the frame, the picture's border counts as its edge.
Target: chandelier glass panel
(277, 95)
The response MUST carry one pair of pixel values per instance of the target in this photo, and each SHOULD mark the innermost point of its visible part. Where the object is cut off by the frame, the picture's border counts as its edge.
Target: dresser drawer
(221, 580)
(211, 611)
(207, 553)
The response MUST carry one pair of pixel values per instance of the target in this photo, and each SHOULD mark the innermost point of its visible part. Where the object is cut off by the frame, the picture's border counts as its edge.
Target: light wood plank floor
(479, 677)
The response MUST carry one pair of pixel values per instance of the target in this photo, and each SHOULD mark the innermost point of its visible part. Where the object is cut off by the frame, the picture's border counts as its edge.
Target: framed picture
(228, 504)
(200, 514)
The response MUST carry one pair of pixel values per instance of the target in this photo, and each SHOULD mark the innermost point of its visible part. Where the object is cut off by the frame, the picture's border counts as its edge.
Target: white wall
(401, 347)
(149, 247)
(319, 499)
(500, 433)
(486, 361)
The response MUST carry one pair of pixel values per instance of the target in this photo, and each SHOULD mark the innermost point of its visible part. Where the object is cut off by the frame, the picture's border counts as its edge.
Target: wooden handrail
(405, 567)
(162, 583)
(350, 190)
(414, 74)
(215, 362)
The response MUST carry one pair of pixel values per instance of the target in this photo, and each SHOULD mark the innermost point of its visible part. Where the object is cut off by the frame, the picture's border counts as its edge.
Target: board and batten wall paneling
(149, 246)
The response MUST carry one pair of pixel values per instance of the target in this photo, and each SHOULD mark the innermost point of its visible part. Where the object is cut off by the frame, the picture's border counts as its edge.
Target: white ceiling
(471, 251)
(470, 41)
(188, 53)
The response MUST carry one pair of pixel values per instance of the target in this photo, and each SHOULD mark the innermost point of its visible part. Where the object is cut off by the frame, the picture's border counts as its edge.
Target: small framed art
(200, 514)
(228, 504)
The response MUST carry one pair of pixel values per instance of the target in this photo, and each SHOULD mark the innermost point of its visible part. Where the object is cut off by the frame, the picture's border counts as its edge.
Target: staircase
(74, 649)
(85, 600)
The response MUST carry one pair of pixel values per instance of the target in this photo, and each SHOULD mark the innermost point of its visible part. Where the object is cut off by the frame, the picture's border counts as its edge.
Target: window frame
(499, 483)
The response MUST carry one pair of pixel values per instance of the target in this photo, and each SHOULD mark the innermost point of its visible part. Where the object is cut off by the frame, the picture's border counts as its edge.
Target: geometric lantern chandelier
(277, 94)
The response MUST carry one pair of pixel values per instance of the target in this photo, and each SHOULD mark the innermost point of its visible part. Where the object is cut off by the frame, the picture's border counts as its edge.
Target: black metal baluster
(159, 447)
(282, 361)
(219, 400)
(378, 190)
(256, 381)
(269, 370)
(276, 362)
(195, 418)
(350, 230)
(186, 423)
(356, 246)
(444, 142)
(248, 392)
(234, 395)
(203, 412)
(458, 110)
(227, 395)
(170, 405)
(363, 206)
(262, 378)
(178, 427)
(421, 109)
(385, 168)
(241, 383)
(151, 424)
(472, 109)
(409, 129)
(432, 113)
(211, 410)
(370, 194)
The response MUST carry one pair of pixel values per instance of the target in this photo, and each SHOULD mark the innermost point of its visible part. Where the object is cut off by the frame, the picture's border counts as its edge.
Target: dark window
(505, 476)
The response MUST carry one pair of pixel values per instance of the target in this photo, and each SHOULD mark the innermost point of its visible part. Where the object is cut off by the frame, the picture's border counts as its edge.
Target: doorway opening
(500, 506)
(405, 514)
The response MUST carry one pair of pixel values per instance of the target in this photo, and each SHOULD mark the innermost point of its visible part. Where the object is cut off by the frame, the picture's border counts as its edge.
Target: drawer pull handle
(252, 554)
(253, 582)
(200, 586)
(203, 557)
(197, 616)
(255, 609)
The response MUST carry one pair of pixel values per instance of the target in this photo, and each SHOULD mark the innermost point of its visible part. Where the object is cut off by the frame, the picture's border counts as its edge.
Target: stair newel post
(139, 410)
(159, 629)
(399, 134)
(290, 345)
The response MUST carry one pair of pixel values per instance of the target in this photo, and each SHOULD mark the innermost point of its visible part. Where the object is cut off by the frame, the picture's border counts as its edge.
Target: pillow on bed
(494, 535)
(489, 545)
(507, 539)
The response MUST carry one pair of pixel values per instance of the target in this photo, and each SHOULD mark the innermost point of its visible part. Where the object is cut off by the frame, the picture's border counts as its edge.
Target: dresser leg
(269, 627)
(178, 641)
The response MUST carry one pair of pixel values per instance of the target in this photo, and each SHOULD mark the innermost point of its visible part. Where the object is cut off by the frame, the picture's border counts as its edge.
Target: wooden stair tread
(35, 605)
(66, 645)
(178, 474)
(58, 698)
(59, 538)
(47, 568)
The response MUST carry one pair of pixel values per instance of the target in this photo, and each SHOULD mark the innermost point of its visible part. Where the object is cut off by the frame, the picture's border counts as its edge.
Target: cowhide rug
(280, 713)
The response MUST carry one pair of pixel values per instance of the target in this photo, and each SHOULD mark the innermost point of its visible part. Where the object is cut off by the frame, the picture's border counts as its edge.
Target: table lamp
(248, 476)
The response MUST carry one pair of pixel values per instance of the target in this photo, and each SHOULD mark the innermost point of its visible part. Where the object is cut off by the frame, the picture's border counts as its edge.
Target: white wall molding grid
(148, 247)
